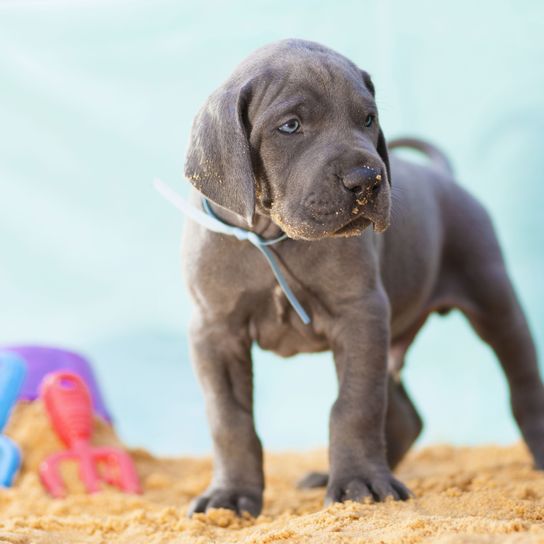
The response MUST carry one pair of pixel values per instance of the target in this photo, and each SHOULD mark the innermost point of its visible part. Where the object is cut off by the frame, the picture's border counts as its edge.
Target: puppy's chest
(276, 327)
(244, 284)
(234, 281)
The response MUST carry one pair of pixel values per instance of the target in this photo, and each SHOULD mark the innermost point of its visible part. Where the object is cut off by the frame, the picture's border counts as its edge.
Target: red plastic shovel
(68, 403)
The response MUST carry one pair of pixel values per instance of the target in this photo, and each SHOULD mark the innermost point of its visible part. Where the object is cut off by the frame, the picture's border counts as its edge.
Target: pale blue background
(96, 98)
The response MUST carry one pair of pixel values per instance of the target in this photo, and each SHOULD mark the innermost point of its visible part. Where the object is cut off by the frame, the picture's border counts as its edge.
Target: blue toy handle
(10, 460)
(12, 375)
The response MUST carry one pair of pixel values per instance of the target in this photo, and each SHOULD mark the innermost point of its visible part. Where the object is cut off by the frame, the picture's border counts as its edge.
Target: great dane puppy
(291, 143)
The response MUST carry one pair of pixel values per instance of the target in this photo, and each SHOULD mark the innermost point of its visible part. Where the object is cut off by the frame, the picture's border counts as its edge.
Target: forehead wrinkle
(289, 94)
(292, 84)
(291, 103)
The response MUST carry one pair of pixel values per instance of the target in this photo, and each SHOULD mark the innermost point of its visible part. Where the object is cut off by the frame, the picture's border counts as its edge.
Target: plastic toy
(68, 403)
(42, 360)
(12, 374)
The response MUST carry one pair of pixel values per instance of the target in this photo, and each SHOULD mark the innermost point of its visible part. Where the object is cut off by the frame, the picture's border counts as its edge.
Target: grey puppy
(291, 143)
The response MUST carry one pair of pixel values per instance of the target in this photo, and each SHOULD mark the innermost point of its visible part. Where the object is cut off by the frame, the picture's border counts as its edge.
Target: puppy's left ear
(382, 146)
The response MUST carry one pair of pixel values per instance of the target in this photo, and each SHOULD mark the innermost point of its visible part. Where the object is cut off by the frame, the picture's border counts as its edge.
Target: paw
(313, 480)
(363, 488)
(238, 500)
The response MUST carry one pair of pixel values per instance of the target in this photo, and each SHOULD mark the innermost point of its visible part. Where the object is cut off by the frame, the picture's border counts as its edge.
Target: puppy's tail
(438, 158)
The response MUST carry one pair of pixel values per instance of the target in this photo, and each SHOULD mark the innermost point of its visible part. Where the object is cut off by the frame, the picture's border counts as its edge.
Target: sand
(484, 494)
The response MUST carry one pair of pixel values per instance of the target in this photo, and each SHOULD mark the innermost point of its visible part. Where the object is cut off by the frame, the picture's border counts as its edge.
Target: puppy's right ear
(382, 145)
(218, 161)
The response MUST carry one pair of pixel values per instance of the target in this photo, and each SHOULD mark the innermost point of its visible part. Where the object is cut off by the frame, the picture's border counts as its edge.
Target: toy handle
(68, 402)
(12, 375)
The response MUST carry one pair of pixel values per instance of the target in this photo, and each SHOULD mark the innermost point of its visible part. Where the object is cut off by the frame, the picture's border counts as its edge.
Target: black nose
(363, 179)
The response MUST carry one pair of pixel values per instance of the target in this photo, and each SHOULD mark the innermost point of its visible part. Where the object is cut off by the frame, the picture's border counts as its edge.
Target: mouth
(354, 227)
(365, 214)
(351, 226)
(326, 224)
(350, 218)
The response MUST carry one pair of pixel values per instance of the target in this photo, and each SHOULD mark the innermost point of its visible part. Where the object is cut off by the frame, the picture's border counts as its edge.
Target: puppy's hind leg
(402, 425)
(493, 310)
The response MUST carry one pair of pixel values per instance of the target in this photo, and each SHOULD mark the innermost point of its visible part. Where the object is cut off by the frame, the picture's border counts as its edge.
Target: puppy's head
(294, 134)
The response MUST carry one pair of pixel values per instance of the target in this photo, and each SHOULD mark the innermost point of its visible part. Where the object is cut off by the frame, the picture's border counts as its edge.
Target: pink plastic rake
(68, 403)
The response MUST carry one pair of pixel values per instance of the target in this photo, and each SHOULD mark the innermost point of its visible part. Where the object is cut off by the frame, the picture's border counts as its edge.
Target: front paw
(366, 487)
(238, 500)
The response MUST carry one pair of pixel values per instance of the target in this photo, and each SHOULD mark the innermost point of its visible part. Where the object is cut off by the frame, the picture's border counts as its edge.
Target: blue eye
(290, 127)
(369, 120)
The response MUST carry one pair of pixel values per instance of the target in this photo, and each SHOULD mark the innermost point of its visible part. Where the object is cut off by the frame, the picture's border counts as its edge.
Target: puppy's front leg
(358, 466)
(222, 359)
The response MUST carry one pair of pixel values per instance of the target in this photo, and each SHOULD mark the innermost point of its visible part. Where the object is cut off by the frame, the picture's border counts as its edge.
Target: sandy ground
(486, 494)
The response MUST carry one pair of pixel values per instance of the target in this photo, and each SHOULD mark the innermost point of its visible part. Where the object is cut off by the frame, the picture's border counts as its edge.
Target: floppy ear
(382, 146)
(218, 161)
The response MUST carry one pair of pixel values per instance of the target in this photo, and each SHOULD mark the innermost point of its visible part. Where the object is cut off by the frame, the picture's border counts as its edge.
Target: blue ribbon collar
(207, 218)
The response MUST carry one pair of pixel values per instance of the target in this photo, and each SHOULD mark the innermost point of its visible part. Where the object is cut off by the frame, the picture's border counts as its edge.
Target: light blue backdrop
(97, 98)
